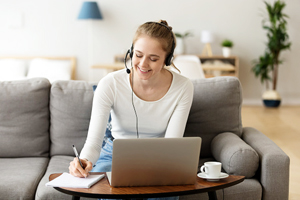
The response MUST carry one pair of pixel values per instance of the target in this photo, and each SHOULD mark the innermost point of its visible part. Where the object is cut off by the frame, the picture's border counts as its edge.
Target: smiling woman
(160, 99)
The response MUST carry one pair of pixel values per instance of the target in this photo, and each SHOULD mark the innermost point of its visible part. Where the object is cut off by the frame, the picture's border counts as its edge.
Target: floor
(282, 125)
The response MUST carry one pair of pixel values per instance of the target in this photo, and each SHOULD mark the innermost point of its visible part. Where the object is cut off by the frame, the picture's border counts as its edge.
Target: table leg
(212, 195)
(75, 198)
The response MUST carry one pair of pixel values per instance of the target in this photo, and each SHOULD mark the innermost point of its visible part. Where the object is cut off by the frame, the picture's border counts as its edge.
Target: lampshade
(90, 10)
(206, 37)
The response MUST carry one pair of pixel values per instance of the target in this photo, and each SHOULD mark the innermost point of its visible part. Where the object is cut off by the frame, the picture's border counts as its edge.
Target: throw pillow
(12, 69)
(51, 69)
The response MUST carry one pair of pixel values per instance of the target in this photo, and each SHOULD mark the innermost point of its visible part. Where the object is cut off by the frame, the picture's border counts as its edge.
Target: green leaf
(178, 35)
(227, 43)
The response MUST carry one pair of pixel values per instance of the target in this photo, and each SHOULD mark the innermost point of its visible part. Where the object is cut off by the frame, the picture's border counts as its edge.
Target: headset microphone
(130, 52)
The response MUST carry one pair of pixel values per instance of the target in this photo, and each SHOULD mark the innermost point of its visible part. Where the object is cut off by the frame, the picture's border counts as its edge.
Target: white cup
(211, 169)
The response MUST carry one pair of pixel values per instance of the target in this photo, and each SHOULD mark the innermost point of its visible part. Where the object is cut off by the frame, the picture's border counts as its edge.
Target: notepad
(68, 180)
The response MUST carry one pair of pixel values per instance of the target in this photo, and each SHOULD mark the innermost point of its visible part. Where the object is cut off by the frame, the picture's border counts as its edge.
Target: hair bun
(164, 22)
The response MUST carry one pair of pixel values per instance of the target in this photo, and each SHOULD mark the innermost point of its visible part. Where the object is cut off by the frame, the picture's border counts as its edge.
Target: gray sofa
(39, 122)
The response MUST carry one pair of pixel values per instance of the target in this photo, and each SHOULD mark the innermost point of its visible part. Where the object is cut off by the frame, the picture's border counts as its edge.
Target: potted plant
(226, 47)
(180, 42)
(266, 67)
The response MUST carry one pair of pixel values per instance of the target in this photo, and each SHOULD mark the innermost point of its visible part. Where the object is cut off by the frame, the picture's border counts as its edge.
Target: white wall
(51, 28)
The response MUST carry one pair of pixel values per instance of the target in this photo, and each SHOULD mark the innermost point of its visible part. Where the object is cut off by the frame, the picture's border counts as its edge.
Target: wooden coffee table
(103, 190)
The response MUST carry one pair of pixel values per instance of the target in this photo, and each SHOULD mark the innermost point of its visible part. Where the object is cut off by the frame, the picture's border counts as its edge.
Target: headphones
(168, 58)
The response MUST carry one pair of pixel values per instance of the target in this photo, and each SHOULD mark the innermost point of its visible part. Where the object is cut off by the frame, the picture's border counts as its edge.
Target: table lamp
(206, 38)
(90, 11)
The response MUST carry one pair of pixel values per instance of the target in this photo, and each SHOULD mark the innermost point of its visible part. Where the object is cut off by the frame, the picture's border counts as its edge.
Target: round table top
(102, 189)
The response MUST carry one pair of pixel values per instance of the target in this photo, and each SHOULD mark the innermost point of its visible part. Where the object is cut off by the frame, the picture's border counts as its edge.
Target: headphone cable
(136, 117)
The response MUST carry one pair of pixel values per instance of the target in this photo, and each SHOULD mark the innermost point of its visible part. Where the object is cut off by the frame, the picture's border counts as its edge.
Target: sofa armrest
(236, 156)
(274, 164)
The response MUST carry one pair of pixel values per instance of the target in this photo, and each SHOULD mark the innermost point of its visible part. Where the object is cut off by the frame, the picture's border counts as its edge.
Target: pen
(76, 154)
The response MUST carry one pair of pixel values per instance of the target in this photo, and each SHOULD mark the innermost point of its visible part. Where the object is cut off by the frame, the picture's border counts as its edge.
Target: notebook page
(67, 180)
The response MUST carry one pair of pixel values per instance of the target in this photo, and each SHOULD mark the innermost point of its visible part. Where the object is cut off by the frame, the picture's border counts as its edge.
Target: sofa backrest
(70, 108)
(24, 114)
(216, 108)
(24, 118)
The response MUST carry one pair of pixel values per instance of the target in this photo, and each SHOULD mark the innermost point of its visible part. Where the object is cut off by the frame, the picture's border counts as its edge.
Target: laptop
(154, 161)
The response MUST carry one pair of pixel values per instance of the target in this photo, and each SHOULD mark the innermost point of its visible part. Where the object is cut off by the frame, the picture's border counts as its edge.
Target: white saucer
(203, 175)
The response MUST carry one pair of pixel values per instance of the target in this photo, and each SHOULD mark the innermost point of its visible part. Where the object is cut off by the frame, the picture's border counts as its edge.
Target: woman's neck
(154, 88)
(153, 82)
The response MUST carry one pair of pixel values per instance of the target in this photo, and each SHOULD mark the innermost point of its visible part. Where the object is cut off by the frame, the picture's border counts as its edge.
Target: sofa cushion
(21, 176)
(70, 107)
(24, 118)
(216, 108)
(57, 164)
(237, 157)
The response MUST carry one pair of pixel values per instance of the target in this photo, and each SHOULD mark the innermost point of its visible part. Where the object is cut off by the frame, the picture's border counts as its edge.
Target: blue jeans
(103, 164)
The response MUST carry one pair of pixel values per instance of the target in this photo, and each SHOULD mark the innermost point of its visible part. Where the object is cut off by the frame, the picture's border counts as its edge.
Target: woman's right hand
(76, 170)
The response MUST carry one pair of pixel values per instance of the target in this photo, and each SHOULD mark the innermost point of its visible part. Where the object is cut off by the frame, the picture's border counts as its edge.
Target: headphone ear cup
(125, 61)
(168, 60)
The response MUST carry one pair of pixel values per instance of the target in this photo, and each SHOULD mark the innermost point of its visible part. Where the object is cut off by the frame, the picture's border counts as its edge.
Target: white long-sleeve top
(165, 117)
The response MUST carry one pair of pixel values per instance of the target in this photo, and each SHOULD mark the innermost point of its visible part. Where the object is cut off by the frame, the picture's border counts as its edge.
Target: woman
(150, 101)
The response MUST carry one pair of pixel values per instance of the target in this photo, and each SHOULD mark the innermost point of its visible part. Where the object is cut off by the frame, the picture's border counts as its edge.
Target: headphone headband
(168, 58)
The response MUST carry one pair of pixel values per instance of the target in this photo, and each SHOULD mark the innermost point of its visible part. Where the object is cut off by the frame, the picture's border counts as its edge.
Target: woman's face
(148, 57)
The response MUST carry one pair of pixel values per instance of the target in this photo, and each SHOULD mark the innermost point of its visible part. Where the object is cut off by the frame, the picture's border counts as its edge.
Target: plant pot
(180, 48)
(271, 98)
(226, 51)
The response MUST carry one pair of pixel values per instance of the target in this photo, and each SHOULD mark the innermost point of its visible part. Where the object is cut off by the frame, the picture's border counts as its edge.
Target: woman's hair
(161, 31)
